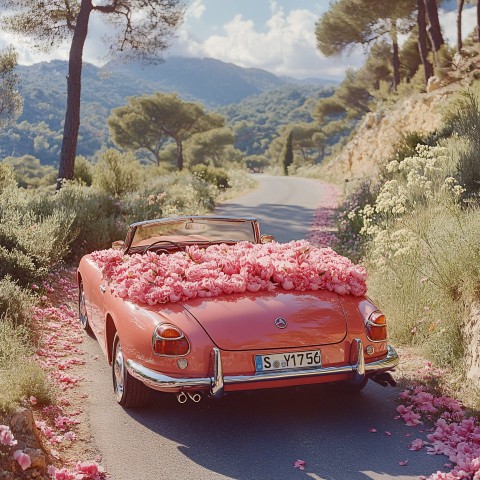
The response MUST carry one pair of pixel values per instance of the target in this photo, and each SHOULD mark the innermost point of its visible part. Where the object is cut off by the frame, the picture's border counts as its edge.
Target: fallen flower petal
(403, 463)
(23, 459)
(372, 430)
(417, 444)
(299, 464)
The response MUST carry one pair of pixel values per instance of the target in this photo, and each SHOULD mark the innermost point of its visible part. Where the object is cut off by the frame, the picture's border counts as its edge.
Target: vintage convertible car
(155, 305)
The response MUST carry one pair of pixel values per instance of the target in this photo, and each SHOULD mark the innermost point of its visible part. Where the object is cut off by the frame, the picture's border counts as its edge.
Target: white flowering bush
(350, 222)
(423, 252)
(416, 181)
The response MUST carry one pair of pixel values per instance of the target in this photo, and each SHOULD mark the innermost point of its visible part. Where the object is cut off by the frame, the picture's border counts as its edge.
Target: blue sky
(275, 35)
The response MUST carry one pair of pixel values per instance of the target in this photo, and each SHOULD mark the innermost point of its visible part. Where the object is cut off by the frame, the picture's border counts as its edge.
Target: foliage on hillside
(38, 131)
(256, 120)
(416, 225)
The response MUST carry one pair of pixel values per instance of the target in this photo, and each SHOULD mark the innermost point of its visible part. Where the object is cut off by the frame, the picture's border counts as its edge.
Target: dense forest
(258, 102)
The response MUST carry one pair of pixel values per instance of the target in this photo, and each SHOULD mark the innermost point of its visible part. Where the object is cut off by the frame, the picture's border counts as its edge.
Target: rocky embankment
(379, 132)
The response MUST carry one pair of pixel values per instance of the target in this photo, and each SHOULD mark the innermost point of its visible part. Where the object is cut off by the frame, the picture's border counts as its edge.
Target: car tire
(129, 392)
(82, 309)
(350, 387)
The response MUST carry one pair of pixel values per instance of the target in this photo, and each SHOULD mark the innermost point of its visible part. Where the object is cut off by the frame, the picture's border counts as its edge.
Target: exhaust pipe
(181, 397)
(196, 397)
(384, 379)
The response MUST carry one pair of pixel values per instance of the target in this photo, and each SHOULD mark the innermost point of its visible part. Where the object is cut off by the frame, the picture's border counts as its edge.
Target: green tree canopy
(363, 22)
(149, 121)
(10, 99)
(287, 154)
(213, 147)
(139, 28)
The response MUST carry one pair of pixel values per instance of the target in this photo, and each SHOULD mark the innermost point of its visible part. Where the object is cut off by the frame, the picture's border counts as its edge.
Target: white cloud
(448, 21)
(286, 46)
(196, 10)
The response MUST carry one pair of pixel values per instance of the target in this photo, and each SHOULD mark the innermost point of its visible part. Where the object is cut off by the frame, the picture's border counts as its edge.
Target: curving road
(256, 436)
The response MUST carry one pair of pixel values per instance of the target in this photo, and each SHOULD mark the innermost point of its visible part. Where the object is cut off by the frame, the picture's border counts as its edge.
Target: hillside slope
(379, 132)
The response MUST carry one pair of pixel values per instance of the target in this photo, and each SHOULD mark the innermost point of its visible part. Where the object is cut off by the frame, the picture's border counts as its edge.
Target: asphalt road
(256, 436)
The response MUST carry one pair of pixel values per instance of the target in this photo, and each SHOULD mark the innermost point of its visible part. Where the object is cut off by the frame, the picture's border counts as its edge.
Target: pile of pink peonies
(226, 269)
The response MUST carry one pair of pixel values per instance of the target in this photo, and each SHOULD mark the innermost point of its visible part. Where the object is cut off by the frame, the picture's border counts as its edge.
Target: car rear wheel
(82, 309)
(129, 392)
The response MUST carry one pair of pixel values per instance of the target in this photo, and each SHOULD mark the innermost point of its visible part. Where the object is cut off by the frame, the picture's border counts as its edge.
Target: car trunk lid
(249, 321)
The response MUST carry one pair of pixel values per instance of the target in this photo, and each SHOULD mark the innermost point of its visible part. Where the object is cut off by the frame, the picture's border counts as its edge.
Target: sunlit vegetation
(41, 229)
(416, 226)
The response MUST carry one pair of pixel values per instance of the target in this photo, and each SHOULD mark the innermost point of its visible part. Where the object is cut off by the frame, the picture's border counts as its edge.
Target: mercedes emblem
(280, 322)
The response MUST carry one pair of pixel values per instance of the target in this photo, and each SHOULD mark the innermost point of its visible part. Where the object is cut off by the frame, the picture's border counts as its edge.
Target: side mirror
(267, 239)
(118, 245)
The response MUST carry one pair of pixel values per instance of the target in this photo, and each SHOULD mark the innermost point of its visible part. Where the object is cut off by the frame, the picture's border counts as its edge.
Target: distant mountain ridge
(208, 80)
(44, 88)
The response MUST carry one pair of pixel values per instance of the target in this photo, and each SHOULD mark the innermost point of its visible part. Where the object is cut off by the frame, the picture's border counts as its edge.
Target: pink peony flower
(6, 436)
(229, 269)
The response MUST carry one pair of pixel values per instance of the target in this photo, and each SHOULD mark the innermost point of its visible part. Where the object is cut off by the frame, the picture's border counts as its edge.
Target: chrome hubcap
(82, 309)
(118, 373)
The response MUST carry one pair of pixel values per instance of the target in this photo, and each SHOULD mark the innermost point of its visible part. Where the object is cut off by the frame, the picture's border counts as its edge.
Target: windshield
(194, 230)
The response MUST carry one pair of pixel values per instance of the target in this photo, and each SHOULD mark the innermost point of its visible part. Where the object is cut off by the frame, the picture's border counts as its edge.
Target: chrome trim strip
(387, 363)
(215, 385)
(156, 380)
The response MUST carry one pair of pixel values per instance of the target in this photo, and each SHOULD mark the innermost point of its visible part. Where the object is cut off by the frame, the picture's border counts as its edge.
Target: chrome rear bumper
(216, 383)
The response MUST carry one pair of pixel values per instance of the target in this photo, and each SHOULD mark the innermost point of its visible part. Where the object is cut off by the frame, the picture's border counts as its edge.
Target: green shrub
(30, 243)
(216, 176)
(29, 172)
(7, 176)
(428, 277)
(185, 194)
(464, 120)
(15, 302)
(423, 252)
(117, 173)
(19, 376)
(349, 223)
(97, 217)
(83, 170)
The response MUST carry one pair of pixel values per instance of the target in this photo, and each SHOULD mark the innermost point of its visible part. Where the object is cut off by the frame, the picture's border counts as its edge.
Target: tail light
(376, 326)
(169, 340)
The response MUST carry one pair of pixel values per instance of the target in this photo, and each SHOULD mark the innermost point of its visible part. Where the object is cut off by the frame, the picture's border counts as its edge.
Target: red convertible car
(201, 306)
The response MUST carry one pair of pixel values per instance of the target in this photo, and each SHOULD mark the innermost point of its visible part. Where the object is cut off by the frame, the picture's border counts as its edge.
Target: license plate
(283, 361)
